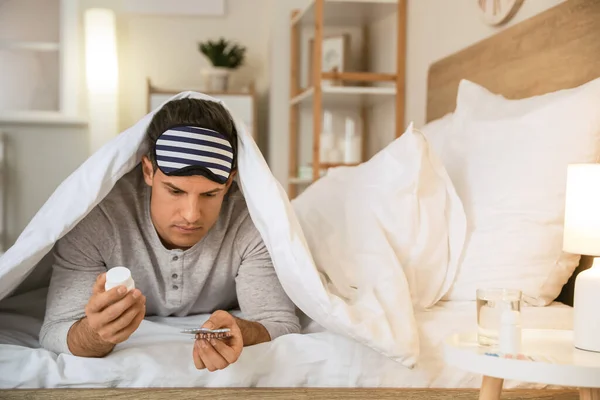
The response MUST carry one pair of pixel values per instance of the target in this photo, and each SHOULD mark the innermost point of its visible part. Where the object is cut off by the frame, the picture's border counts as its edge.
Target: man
(181, 225)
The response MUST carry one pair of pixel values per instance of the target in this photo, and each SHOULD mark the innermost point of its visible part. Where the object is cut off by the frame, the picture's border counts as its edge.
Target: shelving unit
(301, 181)
(41, 36)
(344, 12)
(317, 16)
(31, 46)
(40, 118)
(346, 96)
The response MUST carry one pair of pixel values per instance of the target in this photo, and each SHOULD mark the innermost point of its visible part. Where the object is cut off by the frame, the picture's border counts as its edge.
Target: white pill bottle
(117, 276)
(510, 332)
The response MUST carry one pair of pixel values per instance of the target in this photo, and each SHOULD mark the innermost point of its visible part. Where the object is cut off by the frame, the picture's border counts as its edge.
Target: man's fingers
(115, 310)
(236, 341)
(215, 354)
(211, 358)
(124, 334)
(202, 354)
(196, 355)
(124, 320)
(219, 319)
(137, 320)
(102, 300)
(223, 319)
(99, 284)
(228, 353)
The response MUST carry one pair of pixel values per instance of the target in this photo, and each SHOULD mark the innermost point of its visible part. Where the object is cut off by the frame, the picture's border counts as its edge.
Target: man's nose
(192, 211)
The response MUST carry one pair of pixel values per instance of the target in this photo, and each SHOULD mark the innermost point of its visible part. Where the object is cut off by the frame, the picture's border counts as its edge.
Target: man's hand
(116, 314)
(214, 354)
(111, 317)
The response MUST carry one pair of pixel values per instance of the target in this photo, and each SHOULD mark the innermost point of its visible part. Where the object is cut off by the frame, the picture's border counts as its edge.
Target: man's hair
(192, 112)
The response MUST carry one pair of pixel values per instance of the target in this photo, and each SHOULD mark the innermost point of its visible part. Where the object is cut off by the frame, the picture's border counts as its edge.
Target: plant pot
(216, 79)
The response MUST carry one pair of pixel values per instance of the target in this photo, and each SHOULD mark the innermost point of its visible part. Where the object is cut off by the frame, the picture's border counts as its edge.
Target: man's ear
(230, 180)
(148, 170)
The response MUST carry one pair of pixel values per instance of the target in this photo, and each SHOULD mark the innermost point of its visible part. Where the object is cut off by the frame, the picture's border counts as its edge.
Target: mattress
(158, 355)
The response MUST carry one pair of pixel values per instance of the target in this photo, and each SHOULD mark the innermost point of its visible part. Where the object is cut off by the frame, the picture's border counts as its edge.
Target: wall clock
(496, 12)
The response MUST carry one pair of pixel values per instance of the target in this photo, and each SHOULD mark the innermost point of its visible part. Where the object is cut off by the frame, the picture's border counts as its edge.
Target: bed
(153, 356)
(554, 50)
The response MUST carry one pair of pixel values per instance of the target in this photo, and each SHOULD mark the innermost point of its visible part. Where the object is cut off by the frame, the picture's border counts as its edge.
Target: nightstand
(549, 357)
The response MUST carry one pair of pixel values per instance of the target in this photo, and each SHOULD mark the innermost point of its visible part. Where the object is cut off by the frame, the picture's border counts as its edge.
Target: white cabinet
(242, 105)
(39, 59)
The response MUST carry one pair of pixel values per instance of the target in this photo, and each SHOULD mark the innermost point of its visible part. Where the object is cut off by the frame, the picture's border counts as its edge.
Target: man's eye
(210, 194)
(175, 192)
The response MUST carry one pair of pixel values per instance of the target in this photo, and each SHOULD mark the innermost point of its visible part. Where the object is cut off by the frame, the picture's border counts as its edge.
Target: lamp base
(586, 318)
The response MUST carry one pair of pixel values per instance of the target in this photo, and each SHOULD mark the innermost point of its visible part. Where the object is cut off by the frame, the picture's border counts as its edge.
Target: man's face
(183, 208)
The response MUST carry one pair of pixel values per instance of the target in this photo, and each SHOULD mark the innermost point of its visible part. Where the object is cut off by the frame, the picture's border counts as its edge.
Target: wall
(38, 156)
(164, 48)
(436, 29)
(38, 159)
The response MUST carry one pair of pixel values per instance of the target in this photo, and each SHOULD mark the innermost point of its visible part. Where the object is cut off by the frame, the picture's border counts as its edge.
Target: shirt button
(174, 276)
(175, 287)
(175, 258)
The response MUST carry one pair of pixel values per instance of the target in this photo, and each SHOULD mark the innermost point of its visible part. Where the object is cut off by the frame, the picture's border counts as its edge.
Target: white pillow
(508, 161)
(437, 131)
(482, 104)
(386, 235)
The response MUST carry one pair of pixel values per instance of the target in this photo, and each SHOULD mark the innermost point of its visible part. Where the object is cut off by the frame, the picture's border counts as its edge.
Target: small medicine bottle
(119, 276)
(352, 143)
(327, 140)
(510, 332)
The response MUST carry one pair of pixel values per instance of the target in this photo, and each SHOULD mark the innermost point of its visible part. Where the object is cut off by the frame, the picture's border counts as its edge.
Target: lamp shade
(582, 210)
(101, 50)
(102, 75)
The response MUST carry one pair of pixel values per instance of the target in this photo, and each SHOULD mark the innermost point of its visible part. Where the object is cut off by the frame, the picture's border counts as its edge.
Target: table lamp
(582, 236)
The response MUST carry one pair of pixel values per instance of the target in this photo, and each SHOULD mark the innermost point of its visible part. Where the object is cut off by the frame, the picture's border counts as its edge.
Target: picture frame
(335, 57)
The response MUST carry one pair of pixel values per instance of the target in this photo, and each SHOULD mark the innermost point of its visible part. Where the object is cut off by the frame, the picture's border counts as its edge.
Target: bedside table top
(550, 358)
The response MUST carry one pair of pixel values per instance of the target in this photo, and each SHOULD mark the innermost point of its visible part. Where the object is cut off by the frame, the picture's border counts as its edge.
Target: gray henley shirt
(229, 268)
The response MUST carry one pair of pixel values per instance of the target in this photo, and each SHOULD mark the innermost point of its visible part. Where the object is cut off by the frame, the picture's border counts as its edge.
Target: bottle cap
(119, 276)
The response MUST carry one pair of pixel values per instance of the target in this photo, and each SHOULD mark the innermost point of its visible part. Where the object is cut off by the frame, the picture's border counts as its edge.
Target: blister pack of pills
(204, 333)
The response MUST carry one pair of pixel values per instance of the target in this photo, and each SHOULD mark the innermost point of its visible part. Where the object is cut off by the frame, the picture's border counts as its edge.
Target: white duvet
(358, 253)
(157, 355)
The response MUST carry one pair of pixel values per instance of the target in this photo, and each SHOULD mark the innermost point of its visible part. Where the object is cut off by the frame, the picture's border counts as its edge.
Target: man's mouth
(188, 229)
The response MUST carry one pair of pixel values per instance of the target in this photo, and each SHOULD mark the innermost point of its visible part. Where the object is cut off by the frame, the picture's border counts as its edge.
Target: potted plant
(224, 57)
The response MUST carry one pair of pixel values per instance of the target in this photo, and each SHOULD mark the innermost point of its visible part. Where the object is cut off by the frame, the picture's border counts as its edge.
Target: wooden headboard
(556, 49)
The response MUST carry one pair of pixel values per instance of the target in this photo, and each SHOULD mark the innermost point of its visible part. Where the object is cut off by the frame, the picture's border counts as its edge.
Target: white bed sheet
(157, 355)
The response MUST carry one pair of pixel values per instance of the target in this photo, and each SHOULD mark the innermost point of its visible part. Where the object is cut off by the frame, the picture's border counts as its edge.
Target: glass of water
(491, 303)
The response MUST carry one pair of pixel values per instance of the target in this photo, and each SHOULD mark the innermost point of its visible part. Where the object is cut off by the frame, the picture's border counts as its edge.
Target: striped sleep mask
(190, 150)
